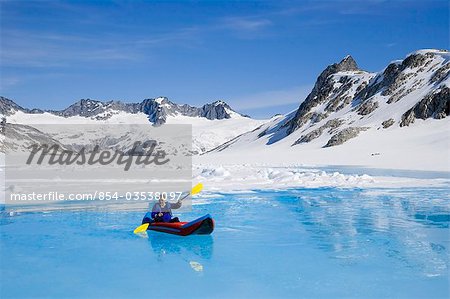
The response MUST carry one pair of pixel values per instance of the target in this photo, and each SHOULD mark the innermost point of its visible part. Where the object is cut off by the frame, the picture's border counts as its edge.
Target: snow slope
(392, 119)
(422, 146)
(209, 134)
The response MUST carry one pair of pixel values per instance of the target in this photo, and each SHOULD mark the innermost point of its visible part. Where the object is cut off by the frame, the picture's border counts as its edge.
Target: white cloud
(245, 23)
(47, 49)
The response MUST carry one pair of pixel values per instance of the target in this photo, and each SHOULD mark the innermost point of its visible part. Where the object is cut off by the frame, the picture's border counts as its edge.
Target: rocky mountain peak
(343, 83)
(93, 108)
(219, 103)
(216, 110)
(8, 107)
(420, 81)
(157, 110)
(161, 100)
(347, 64)
(324, 86)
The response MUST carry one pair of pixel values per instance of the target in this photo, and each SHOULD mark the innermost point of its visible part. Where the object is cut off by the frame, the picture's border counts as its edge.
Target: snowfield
(209, 134)
(423, 145)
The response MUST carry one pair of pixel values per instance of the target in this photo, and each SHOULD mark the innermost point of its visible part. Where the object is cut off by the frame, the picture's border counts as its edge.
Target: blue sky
(260, 56)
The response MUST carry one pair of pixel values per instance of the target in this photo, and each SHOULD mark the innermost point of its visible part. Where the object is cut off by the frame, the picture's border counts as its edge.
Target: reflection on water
(411, 227)
(190, 247)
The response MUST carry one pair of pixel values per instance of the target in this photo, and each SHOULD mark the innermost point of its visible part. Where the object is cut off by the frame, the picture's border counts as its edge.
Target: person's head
(162, 199)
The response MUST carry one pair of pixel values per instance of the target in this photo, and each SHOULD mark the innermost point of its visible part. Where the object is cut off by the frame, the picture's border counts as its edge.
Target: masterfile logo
(54, 154)
(108, 162)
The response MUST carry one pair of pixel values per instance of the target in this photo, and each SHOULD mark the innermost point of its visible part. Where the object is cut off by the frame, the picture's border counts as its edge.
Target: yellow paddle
(196, 189)
(141, 228)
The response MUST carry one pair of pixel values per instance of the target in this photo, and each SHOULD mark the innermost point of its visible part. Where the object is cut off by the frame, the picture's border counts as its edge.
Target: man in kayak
(162, 211)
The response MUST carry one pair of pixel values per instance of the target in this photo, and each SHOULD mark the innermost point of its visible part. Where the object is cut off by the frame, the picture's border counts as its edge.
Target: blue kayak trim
(196, 221)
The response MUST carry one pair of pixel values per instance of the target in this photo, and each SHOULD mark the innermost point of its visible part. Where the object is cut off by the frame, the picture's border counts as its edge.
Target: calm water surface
(299, 243)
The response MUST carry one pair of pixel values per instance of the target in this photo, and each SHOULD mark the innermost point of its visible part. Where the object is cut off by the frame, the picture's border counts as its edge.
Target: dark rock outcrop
(216, 110)
(367, 107)
(344, 135)
(387, 123)
(435, 105)
(441, 74)
(393, 77)
(93, 108)
(331, 125)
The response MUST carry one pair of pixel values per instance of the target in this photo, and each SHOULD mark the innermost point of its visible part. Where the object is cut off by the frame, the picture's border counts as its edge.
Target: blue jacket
(167, 210)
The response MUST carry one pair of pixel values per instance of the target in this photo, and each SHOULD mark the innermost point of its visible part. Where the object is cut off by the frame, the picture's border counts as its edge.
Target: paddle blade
(141, 228)
(197, 188)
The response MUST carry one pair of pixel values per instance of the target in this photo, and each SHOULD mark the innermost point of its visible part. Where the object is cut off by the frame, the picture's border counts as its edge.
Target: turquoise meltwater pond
(299, 243)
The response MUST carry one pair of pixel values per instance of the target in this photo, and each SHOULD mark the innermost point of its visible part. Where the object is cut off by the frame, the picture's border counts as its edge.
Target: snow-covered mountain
(395, 118)
(399, 111)
(157, 110)
(212, 124)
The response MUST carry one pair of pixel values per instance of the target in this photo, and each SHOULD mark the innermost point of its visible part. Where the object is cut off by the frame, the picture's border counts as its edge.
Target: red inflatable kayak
(201, 226)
